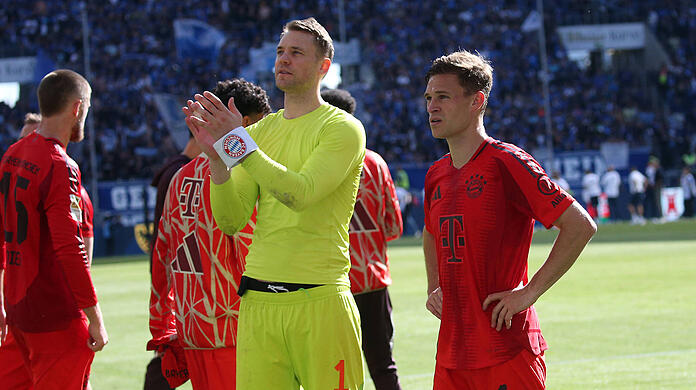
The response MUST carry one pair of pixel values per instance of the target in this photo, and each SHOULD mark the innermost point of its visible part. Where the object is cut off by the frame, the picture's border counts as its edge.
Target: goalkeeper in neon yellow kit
(298, 323)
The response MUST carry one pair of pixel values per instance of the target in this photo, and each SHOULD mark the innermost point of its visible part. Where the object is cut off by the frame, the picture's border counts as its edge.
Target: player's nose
(283, 58)
(432, 107)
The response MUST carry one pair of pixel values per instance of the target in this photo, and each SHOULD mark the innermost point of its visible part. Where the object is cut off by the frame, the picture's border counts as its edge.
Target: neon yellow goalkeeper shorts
(309, 337)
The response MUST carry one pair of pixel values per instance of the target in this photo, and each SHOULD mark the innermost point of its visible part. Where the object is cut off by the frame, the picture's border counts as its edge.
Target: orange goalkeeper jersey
(376, 220)
(196, 268)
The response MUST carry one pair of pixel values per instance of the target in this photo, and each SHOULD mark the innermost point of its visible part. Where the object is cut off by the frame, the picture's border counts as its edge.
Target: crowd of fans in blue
(133, 56)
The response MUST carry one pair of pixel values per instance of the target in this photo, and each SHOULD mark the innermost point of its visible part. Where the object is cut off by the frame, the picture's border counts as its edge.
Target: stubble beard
(294, 86)
(78, 132)
(285, 85)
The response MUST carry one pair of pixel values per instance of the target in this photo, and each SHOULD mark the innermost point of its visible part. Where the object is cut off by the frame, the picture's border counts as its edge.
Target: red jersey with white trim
(87, 214)
(482, 217)
(376, 220)
(47, 279)
(196, 267)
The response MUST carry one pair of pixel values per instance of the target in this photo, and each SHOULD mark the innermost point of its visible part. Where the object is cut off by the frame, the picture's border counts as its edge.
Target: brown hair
(321, 37)
(58, 88)
(473, 71)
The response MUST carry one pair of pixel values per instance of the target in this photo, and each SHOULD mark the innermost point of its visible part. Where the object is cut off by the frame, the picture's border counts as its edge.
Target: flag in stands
(195, 39)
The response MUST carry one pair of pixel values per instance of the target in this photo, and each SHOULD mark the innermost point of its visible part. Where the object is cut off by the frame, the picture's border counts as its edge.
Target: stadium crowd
(133, 57)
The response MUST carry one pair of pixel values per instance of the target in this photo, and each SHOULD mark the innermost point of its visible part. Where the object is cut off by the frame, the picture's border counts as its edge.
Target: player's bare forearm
(93, 313)
(434, 301)
(219, 173)
(89, 248)
(430, 253)
(97, 332)
(576, 228)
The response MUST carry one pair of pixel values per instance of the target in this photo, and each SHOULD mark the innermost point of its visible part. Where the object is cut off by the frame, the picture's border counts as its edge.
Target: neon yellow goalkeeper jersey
(305, 176)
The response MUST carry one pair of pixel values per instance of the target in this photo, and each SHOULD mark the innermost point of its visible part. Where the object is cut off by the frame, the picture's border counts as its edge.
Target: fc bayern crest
(474, 186)
(546, 186)
(234, 146)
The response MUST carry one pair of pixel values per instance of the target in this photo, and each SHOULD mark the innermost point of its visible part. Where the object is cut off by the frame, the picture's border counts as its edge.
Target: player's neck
(298, 104)
(463, 146)
(57, 128)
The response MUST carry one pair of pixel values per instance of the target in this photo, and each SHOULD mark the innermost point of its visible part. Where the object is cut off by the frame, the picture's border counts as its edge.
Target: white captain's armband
(234, 146)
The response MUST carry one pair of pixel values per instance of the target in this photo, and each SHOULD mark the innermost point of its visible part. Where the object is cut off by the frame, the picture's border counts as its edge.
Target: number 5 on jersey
(22, 216)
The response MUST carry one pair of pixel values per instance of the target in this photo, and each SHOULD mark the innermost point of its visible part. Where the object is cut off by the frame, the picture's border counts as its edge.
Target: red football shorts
(212, 369)
(524, 371)
(14, 372)
(57, 360)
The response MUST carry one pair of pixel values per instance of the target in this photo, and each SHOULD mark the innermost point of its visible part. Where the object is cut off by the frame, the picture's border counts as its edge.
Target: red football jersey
(87, 225)
(482, 217)
(196, 267)
(376, 220)
(47, 279)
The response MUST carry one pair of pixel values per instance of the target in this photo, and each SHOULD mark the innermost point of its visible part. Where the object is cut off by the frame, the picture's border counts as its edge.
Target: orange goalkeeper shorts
(212, 369)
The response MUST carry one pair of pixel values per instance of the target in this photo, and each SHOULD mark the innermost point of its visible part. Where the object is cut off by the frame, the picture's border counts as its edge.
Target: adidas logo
(436, 195)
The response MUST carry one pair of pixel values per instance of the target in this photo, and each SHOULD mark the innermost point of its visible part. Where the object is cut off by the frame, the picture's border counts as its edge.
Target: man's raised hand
(510, 302)
(209, 119)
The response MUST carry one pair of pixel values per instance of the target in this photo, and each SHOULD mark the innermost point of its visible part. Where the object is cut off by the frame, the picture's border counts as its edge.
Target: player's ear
(325, 65)
(246, 121)
(478, 101)
(75, 109)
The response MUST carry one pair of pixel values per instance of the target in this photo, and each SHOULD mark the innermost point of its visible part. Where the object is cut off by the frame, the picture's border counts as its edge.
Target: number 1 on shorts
(341, 368)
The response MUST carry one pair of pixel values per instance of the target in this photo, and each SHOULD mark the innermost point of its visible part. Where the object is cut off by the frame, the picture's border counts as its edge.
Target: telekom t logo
(452, 233)
(190, 196)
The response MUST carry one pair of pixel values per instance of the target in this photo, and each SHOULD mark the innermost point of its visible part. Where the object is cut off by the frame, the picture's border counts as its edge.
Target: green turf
(624, 316)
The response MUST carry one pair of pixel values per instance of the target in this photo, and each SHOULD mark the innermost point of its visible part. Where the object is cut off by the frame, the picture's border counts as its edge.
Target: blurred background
(582, 85)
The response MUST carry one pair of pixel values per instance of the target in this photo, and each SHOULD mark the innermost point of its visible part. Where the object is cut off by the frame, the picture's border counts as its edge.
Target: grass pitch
(624, 317)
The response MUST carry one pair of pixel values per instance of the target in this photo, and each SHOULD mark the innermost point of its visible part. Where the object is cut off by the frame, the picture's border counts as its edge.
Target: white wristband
(234, 146)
